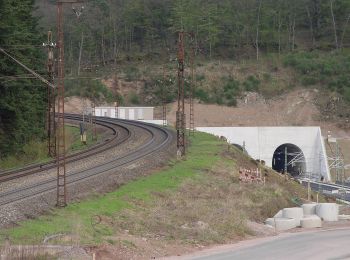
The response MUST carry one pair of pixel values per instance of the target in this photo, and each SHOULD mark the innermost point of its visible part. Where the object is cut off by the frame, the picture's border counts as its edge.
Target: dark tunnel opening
(290, 157)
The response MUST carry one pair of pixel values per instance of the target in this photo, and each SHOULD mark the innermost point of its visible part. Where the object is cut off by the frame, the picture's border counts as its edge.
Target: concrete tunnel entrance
(290, 157)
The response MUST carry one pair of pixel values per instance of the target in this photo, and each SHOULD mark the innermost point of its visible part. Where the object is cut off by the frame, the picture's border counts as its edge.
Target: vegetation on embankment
(198, 199)
(22, 98)
(36, 151)
(223, 81)
(112, 34)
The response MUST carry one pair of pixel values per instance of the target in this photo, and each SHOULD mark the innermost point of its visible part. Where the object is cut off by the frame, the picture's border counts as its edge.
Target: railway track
(159, 138)
(330, 189)
(119, 135)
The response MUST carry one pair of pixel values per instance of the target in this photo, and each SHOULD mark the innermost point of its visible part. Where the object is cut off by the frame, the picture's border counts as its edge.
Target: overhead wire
(28, 69)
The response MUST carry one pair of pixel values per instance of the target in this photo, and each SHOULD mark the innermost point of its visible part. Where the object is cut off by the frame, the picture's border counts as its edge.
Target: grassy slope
(198, 188)
(77, 217)
(36, 152)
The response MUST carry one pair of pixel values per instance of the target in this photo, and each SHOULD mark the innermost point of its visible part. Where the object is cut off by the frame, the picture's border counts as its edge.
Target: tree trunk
(293, 33)
(103, 49)
(334, 26)
(257, 31)
(71, 55)
(80, 51)
(126, 38)
(311, 26)
(115, 43)
(344, 31)
(279, 33)
(209, 30)
(131, 37)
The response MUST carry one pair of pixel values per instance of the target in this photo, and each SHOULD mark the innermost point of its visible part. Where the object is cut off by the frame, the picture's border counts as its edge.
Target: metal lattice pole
(61, 144)
(192, 87)
(93, 121)
(285, 160)
(116, 109)
(51, 107)
(180, 114)
(60, 131)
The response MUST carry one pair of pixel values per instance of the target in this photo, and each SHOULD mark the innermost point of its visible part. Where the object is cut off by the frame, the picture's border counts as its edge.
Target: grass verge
(36, 151)
(82, 219)
(197, 200)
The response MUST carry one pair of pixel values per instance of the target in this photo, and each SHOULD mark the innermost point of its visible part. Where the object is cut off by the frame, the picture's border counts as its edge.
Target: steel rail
(151, 146)
(96, 149)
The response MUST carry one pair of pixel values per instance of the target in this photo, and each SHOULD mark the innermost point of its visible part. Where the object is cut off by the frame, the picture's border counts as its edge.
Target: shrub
(330, 70)
(309, 80)
(134, 98)
(231, 91)
(202, 95)
(132, 73)
(251, 83)
(200, 77)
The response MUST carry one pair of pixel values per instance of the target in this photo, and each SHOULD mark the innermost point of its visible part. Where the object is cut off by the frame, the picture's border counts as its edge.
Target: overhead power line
(28, 69)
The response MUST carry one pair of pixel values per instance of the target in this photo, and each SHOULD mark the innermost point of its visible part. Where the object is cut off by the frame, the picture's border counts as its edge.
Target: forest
(22, 99)
(311, 36)
(110, 31)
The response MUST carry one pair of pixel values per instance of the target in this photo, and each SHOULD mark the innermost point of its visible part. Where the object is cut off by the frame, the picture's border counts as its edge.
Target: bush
(134, 98)
(132, 73)
(330, 70)
(309, 80)
(251, 83)
(200, 77)
(202, 95)
(92, 89)
(231, 91)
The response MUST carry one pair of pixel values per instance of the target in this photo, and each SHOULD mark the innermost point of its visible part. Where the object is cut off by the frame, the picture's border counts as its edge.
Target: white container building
(130, 113)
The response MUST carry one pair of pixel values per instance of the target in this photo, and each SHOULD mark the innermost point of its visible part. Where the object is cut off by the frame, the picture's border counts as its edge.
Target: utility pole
(116, 108)
(116, 103)
(192, 87)
(93, 121)
(51, 106)
(285, 160)
(60, 131)
(180, 113)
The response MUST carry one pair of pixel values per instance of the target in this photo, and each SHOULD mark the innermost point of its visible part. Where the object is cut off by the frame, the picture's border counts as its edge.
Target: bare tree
(257, 29)
(80, 51)
(310, 25)
(115, 50)
(334, 25)
(279, 32)
(103, 51)
(344, 31)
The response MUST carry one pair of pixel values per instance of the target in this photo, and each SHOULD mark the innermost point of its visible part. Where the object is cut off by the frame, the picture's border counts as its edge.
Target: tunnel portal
(289, 157)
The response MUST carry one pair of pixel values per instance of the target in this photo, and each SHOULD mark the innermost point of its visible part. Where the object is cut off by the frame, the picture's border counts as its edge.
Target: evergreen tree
(22, 100)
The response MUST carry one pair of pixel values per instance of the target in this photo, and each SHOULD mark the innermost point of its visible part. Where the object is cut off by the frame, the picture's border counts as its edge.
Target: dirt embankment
(296, 108)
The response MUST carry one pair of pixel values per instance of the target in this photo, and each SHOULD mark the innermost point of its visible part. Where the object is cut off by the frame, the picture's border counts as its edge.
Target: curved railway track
(119, 135)
(159, 138)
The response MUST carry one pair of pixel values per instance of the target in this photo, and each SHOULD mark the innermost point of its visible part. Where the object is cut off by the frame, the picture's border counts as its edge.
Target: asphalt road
(330, 245)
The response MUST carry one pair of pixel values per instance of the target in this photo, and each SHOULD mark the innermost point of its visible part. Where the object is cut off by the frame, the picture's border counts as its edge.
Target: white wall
(132, 113)
(261, 143)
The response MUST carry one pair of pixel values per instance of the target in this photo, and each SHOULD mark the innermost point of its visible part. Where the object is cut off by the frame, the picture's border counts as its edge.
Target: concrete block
(311, 221)
(278, 214)
(294, 213)
(284, 223)
(270, 222)
(327, 211)
(309, 209)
